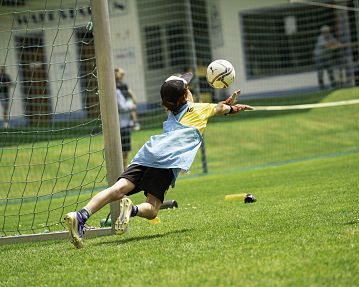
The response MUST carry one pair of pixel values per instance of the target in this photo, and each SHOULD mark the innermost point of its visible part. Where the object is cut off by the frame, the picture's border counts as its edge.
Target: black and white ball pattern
(220, 74)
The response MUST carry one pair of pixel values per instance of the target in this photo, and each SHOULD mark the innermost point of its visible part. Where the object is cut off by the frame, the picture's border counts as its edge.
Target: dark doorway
(34, 78)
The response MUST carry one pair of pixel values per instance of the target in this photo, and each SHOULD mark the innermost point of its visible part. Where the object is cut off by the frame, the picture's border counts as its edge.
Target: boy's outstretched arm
(223, 109)
(229, 107)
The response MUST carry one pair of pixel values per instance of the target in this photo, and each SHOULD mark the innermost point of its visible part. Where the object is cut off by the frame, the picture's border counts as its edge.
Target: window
(153, 44)
(273, 47)
(176, 43)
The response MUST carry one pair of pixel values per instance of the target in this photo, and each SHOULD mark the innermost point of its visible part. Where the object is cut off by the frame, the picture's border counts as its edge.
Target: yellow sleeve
(198, 115)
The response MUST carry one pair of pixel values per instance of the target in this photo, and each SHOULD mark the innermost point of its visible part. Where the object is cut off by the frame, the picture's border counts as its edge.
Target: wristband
(230, 111)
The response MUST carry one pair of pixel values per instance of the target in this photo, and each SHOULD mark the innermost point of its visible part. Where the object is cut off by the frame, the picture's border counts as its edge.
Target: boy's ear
(186, 94)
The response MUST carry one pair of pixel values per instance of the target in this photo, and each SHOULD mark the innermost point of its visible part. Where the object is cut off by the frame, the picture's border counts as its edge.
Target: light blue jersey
(175, 149)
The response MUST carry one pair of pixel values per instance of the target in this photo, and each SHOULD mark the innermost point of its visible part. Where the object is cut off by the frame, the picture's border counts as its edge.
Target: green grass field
(303, 231)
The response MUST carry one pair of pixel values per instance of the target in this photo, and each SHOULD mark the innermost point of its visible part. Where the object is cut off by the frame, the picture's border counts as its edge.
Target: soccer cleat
(76, 229)
(122, 221)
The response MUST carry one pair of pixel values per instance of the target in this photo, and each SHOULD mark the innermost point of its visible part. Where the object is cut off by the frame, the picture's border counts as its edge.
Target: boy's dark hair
(173, 91)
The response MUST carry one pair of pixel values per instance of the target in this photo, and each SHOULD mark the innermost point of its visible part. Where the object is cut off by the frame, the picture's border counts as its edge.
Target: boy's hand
(233, 98)
(237, 108)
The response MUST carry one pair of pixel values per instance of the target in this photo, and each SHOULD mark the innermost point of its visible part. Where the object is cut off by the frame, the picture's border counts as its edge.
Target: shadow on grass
(352, 222)
(141, 238)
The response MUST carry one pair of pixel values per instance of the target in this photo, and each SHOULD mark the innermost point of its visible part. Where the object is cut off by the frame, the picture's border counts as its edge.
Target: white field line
(326, 5)
(306, 106)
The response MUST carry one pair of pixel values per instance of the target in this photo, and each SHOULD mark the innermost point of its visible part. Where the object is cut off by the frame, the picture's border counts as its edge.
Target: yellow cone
(155, 221)
(234, 197)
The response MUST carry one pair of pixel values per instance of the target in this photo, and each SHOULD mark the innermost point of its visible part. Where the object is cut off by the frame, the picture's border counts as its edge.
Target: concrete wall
(60, 50)
(127, 43)
(9, 59)
(228, 45)
(62, 55)
(127, 48)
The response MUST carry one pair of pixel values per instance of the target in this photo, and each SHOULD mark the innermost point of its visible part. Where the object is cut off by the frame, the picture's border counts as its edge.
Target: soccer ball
(220, 74)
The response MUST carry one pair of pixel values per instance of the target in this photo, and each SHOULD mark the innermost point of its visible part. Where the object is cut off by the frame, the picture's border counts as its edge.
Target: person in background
(5, 83)
(129, 95)
(126, 107)
(324, 56)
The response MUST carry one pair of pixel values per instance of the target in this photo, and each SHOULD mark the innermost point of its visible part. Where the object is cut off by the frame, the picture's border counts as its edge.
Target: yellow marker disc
(234, 197)
(154, 221)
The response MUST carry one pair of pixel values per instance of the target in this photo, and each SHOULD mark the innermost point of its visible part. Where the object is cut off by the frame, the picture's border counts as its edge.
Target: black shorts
(154, 181)
(126, 139)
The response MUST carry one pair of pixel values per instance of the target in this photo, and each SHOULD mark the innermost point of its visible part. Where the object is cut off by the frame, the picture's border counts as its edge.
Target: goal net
(52, 155)
(51, 144)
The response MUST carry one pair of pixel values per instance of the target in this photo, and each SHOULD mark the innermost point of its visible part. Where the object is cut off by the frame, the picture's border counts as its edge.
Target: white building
(269, 42)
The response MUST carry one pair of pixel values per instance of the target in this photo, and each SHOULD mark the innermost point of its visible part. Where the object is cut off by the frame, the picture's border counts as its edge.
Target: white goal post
(108, 104)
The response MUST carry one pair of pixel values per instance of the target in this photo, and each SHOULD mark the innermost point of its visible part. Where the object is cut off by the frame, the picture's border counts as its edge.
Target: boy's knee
(152, 214)
(153, 205)
(121, 188)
